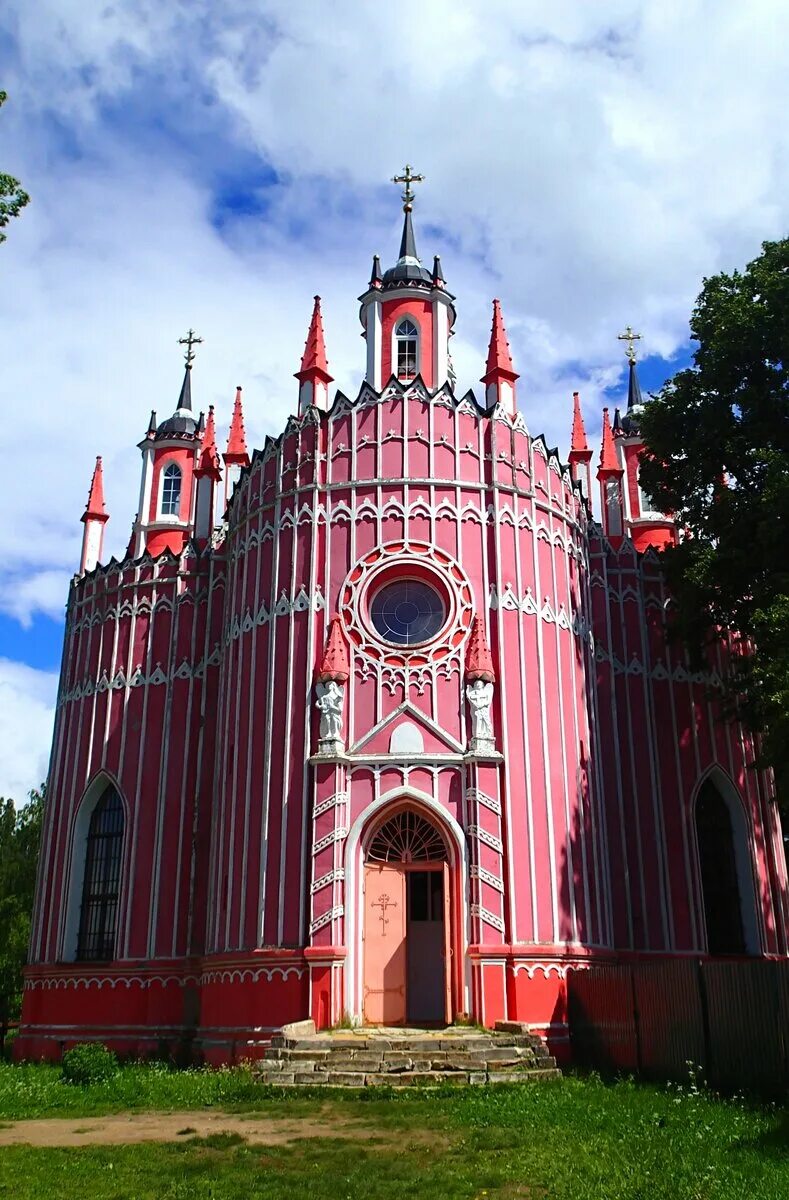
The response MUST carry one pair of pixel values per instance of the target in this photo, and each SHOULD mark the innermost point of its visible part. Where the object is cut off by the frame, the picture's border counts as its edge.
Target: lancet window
(101, 881)
(171, 490)
(407, 344)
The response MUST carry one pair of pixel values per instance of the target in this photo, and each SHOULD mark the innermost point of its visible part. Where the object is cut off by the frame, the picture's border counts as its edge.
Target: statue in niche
(331, 697)
(480, 698)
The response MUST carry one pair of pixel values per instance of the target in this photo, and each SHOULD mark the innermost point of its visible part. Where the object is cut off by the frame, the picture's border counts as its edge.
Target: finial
(629, 337)
(408, 178)
(190, 340)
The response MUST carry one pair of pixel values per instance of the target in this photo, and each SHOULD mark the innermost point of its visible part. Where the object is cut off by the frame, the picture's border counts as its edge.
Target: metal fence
(730, 1018)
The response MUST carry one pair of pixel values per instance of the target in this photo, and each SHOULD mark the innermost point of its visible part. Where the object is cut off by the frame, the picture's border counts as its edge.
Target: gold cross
(190, 340)
(629, 337)
(408, 178)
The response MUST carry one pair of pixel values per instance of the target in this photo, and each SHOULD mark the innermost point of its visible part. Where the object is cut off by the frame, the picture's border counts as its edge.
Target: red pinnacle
(334, 664)
(608, 460)
(499, 364)
(578, 442)
(237, 439)
(94, 509)
(479, 664)
(314, 364)
(208, 463)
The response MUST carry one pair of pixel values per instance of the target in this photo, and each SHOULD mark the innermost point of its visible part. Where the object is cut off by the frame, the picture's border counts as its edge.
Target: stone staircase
(399, 1057)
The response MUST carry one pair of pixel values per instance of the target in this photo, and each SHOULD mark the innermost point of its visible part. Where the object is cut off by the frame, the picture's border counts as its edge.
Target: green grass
(579, 1139)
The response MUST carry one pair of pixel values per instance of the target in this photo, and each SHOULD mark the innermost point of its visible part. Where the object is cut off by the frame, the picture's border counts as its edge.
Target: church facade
(399, 738)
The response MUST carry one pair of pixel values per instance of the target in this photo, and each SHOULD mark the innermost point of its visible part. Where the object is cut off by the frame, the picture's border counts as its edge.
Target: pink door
(385, 961)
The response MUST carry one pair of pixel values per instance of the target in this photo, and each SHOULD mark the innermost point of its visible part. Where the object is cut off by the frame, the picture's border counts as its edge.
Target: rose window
(407, 612)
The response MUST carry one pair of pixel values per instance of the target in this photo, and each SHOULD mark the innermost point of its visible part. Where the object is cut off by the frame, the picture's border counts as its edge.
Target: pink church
(398, 738)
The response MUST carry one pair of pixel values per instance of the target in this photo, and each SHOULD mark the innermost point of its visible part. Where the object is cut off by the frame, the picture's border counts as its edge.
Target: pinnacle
(95, 509)
(313, 360)
(578, 442)
(237, 439)
(499, 357)
(334, 664)
(209, 456)
(608, 458)
(479, 663)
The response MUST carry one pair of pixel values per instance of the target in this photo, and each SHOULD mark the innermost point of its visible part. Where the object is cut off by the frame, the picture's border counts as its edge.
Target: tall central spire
(408, 268)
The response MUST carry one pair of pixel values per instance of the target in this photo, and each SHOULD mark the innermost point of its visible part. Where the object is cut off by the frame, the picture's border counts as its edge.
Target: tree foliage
(20, 835)
(717, 438)
(13, 197)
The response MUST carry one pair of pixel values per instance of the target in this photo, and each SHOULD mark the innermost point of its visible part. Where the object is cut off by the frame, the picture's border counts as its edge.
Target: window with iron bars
(101, 882)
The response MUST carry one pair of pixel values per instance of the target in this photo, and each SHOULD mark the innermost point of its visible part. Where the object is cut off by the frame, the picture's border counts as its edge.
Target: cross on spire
(189, 341)
(629, 337)
(408, 178)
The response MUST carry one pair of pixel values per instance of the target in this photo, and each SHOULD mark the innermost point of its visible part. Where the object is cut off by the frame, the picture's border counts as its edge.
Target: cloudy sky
(215, 163)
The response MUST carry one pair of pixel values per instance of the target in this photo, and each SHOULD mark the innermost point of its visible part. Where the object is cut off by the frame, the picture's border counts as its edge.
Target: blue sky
(217, 162)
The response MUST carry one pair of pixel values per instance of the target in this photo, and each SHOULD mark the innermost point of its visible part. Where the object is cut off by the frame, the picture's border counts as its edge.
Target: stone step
(404, 1079)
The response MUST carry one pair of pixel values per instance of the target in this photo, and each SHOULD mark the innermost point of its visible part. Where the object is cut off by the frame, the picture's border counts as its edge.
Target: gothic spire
(578, 442)
(94, 509)
(208, 463)
(608, 460)
(499, 362)
(237, 442)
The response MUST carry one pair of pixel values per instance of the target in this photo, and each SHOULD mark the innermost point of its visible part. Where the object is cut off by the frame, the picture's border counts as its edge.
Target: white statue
(331, 697)
(480, 698)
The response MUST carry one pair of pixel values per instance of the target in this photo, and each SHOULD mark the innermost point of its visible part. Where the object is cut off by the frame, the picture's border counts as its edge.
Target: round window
(407, 612)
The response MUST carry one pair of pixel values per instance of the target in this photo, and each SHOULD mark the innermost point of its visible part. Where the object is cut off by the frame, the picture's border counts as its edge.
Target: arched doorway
(726, 872)
(407, 919)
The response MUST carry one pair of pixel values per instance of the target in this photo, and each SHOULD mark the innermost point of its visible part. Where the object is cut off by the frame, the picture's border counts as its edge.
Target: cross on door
(383, 902)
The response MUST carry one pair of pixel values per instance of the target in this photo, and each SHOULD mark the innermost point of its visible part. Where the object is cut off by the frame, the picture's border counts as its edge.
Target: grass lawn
(578, 1138)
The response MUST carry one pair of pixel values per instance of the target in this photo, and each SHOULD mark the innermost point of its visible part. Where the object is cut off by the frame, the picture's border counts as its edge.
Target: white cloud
(27, 709)
(588, 163)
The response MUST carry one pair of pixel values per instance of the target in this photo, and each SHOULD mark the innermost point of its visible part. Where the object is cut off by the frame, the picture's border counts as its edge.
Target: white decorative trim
(335, 876)
(477, 872)
(489, 802)
(325, 805)
(336, 835)
(484, 914)
(327, 917)
(487, 838)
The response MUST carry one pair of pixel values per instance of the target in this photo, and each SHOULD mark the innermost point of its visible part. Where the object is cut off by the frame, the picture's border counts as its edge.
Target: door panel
(427, 964)
(384, 944)
(447, 949)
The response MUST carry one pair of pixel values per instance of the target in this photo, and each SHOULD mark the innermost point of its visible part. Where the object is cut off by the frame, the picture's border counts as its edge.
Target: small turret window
(406, 341)
(171, 490)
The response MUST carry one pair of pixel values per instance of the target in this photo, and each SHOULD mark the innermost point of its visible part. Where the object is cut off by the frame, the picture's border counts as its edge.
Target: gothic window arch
(172, 479)
(97, 858)
(725, 868)
(406, 339)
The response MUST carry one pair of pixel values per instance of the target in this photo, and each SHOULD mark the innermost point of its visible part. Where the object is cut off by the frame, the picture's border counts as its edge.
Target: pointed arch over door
(726, 870)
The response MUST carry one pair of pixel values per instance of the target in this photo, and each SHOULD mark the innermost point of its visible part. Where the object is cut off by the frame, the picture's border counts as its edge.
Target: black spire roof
(375, 274)
(181, 423)
(635, 402)
(408, 269)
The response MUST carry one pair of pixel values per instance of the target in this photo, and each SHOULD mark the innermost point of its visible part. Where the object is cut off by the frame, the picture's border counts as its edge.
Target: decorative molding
(319, 922)
(329, 803)
(484, 914)
(336, 835)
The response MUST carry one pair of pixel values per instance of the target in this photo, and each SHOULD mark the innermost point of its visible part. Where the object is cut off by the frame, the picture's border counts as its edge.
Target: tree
(20, 836)
(717, 438)
(13, 198)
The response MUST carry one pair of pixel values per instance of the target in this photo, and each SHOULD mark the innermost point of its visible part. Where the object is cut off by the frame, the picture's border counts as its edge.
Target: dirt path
(125, 1128)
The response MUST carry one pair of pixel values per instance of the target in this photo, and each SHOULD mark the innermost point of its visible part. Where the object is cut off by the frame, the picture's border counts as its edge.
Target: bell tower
(407, 312)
